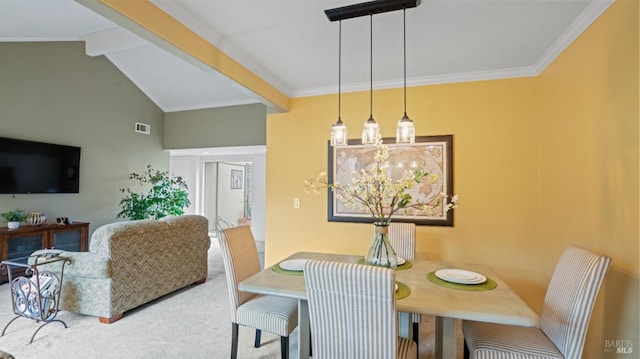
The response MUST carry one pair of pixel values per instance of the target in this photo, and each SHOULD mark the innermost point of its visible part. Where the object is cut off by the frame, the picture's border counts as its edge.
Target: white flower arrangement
(374, 191)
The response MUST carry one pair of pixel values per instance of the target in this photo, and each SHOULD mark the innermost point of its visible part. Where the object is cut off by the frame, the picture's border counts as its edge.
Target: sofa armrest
(87, 264)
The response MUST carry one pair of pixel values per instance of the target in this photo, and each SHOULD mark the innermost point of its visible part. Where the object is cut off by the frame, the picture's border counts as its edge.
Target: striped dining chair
(403, 240)
(352, 312)
(564, 320)
(276, 315)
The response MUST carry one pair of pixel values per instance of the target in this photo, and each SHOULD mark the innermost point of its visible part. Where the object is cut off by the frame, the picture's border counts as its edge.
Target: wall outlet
(296, 203)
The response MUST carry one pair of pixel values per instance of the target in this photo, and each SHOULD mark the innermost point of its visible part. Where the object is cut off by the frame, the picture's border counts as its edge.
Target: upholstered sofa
(134, 262)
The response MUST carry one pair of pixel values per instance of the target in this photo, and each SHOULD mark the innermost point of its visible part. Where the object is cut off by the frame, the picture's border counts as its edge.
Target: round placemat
(488, 285)
(403, 290)
(406, 265)
(277, 268)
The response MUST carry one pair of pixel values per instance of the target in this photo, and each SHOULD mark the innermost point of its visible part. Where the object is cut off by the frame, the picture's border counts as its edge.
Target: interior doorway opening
(210, 191)
(227, 194)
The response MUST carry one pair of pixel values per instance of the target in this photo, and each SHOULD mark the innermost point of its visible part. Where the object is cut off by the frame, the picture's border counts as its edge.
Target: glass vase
(381, 253)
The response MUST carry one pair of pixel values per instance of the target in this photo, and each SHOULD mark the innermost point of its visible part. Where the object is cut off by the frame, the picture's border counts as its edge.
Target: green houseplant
(13, 218)
(167, 196)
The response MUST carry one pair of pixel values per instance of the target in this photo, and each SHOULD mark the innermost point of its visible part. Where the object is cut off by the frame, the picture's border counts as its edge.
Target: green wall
(53, 92)
(243, 125)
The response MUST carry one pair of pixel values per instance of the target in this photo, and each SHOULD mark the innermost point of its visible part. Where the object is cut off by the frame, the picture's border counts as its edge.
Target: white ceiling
(291, 44)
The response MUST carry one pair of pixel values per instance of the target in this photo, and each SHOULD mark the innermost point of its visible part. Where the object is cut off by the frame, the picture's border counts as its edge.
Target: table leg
(405, 326)
(303, 329)
(445, 338)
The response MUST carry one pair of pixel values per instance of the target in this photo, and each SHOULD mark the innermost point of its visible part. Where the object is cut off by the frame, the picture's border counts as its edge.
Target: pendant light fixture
(371, 128)
(339, 129)
(406, 131)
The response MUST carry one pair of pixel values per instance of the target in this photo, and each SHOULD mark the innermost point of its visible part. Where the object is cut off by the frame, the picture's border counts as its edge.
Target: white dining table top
(500, 305)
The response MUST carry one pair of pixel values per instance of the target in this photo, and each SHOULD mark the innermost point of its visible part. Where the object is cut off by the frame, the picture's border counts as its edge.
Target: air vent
(143, 128)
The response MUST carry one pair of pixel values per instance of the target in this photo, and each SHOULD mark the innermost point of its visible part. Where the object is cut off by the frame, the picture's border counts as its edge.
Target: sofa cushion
(103, 236)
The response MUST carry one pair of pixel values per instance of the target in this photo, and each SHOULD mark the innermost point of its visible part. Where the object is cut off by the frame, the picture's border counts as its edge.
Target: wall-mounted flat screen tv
(37, 167)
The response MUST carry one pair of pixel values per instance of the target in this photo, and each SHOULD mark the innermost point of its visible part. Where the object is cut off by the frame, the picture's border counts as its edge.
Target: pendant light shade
(371, 129)
(338, 133)
(339, 129)
(405, 131)
(370, 132)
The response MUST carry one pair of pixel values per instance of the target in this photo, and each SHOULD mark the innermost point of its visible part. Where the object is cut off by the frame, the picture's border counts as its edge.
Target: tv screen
(37, 167)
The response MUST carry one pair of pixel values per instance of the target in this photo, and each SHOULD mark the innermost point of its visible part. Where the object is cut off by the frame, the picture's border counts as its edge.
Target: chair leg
(416, 336)
(284, 347)
(234, 340)
(256, 344)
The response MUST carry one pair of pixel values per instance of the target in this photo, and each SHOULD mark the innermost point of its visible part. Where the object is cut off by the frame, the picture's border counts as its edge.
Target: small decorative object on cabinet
(13, 218)
(63, 220)
(35, 218)
(37, 294)
(17, 245)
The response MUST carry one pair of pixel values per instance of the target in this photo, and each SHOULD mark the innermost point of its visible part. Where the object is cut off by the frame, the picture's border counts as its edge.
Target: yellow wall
(588, 106)
(538, 163)
(495, 173)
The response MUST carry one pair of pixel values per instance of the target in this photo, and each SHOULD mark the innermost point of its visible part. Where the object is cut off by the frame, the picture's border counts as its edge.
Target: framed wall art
(431, 153)
(236, 179)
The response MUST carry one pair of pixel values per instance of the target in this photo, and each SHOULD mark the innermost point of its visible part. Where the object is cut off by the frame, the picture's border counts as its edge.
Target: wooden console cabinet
(17, 244)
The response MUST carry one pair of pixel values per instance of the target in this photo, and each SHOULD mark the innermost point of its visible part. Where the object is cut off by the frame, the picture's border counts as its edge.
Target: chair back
(241, 260)
(351, 310)
(403, 239)
(570, 297)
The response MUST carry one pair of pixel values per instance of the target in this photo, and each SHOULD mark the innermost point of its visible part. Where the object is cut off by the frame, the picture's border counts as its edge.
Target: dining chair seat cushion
(496, 341)
(407, 348)
(276, 315)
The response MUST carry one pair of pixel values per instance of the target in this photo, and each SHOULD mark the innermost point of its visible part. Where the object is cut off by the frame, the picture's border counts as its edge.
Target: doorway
(195, 165)
(227, 194)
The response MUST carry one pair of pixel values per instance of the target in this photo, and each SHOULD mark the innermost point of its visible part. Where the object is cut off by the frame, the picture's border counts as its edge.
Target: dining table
(493, 301)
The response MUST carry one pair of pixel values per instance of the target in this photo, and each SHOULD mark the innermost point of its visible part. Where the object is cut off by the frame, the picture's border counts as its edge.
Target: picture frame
(236, 179)
(431, 153)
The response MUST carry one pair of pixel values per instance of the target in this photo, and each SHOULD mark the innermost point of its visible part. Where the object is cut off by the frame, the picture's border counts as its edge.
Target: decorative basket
(35, 218)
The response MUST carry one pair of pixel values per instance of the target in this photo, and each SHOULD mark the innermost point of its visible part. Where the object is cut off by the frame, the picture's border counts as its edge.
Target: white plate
(460, 276)
(293, 264)
(401, 261)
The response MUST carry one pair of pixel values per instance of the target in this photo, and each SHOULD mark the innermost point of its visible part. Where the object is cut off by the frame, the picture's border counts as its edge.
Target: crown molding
(211, 104)
(422, 81)
(581, 23)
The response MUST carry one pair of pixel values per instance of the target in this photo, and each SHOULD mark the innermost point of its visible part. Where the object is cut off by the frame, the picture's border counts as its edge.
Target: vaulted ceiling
(292, 46)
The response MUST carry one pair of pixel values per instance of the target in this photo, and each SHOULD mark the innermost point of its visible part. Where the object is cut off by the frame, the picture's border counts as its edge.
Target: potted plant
(13, 218)
(167, 196)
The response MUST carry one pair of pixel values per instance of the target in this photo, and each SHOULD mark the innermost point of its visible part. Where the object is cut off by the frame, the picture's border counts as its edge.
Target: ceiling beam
(151, 23)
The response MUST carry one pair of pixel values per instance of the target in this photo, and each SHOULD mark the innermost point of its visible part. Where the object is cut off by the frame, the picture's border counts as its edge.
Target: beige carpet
(191, 323)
